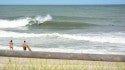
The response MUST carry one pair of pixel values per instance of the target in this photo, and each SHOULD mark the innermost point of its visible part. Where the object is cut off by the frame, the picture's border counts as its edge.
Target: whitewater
(101, 37)
(20, 22)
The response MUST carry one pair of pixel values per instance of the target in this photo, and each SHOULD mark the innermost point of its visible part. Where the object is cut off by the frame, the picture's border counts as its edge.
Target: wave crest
(24, 21)
(39, 19)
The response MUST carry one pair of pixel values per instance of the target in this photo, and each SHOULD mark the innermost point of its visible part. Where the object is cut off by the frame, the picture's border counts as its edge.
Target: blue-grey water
(73, 28)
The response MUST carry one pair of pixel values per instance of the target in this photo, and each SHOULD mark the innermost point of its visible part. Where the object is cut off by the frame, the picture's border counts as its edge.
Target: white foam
(13, 23)
(109, 38)
(61, 50)
(100, 37)
(43, 19)
(23, 21)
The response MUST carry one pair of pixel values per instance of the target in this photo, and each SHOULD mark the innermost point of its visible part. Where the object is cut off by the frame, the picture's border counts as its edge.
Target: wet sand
(60, 55)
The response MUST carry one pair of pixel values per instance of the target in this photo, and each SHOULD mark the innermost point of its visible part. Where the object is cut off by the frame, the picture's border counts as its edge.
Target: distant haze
(60, 2)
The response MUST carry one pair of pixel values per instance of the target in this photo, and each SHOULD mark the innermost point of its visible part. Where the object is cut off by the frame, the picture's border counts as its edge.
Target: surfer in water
(24, 45)
(11, 45)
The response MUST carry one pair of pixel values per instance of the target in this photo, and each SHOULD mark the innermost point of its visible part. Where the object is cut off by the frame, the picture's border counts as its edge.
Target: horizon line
(62, 4)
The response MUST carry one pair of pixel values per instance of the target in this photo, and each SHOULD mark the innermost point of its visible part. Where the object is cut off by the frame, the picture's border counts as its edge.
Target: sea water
(71, 28)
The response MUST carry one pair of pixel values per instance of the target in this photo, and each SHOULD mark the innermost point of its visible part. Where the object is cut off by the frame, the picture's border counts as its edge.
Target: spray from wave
(24, 21)
(39, 19)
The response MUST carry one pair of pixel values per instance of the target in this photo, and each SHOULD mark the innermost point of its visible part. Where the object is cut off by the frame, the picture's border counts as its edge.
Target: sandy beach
(15, 63)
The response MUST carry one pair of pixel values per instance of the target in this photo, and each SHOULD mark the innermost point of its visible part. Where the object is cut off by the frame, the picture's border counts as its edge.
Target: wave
(39, 19)
(41, 22)
(91, 37)
(24, 21)
(60, 24)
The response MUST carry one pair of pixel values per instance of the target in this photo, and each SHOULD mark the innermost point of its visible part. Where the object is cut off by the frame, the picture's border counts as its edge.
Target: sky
(60, 2)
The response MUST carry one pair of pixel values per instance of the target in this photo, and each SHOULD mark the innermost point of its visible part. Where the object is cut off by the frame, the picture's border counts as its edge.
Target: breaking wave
(24, 21)
(37, 22)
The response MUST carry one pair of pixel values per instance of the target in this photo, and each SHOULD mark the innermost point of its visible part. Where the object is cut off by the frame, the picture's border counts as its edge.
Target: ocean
(95, 29)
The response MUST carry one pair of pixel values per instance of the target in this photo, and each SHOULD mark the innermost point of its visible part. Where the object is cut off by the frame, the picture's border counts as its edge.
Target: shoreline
(60, 55)
(62, 50)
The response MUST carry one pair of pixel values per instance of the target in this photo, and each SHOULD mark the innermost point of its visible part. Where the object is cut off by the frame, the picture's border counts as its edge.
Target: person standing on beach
(24, 45)
(11, 45)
